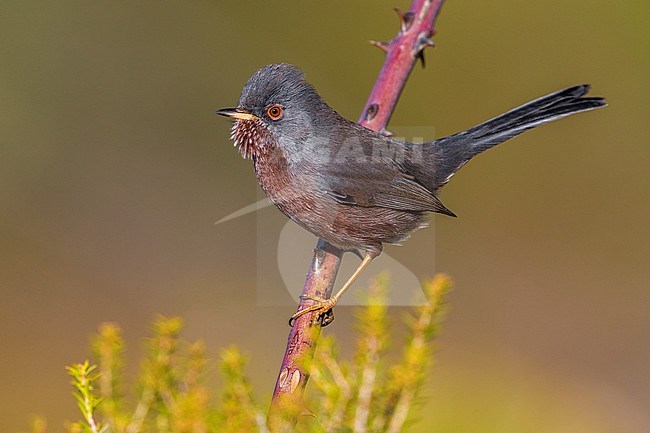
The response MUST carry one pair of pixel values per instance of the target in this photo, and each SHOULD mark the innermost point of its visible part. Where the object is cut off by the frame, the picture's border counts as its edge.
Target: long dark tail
(452, 152)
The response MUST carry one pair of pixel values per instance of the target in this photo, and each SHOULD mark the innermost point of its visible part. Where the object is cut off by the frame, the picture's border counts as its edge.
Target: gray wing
(370, 185)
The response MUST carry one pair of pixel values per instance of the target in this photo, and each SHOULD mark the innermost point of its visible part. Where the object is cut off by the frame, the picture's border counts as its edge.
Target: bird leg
(325, 305)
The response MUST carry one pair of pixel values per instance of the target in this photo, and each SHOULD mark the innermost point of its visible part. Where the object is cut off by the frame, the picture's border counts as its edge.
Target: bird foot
(324, 306)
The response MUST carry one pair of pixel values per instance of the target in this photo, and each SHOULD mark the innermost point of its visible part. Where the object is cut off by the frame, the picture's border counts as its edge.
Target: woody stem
(402, 53)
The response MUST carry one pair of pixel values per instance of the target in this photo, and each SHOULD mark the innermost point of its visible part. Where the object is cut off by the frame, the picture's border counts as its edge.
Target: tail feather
(536, 106)
(452, 152)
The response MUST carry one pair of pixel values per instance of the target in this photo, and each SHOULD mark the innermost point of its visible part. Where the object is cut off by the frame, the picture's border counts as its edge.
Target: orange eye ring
(275, 112)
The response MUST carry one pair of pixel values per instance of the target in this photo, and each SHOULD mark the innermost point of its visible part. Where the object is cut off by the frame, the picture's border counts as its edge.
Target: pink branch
(416, 29)
(401, 55)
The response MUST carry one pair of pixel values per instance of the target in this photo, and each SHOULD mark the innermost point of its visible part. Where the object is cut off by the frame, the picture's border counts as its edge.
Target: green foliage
(237, 411)
(363, 394)
(83, 380)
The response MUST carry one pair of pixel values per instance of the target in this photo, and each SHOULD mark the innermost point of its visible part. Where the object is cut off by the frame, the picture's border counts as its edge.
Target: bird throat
(257, 142)
(250, 137)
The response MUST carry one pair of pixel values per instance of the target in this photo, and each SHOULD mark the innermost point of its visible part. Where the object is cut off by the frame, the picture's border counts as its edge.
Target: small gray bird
(355, 188)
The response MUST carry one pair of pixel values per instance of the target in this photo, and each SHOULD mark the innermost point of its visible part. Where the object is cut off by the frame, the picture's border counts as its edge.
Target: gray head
(276, 100)
(280, 84)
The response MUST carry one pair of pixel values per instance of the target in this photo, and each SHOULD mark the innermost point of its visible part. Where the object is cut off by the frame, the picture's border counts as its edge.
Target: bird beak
(236, 113)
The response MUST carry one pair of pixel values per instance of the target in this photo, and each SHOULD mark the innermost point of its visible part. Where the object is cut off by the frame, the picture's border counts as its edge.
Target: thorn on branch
(422, 42)
(371, 112)
(405, 18)
(384, 46)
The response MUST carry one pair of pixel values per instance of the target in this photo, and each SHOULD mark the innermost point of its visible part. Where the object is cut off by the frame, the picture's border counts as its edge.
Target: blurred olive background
(114, 168)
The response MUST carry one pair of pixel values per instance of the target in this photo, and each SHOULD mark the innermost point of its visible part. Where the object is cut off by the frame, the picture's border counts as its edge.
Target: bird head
(277, 107)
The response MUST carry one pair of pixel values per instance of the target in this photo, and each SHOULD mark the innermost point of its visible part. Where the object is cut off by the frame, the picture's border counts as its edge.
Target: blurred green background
(113, 169)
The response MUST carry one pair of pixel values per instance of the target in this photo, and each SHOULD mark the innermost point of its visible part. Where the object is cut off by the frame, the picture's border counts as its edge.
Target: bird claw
(323, 306)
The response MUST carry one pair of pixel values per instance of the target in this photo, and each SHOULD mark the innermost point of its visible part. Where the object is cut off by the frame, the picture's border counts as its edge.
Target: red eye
(274, 112)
